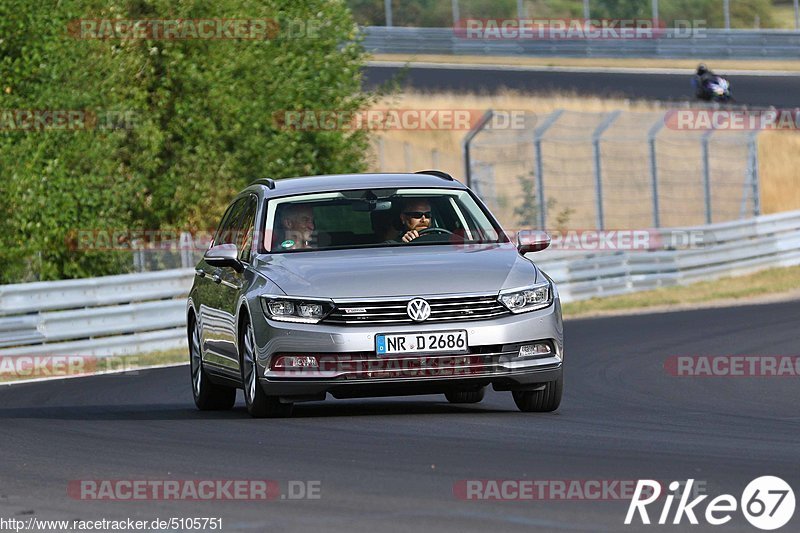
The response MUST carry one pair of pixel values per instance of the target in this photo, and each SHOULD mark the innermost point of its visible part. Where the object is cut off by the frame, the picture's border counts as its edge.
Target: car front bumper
(354, 369)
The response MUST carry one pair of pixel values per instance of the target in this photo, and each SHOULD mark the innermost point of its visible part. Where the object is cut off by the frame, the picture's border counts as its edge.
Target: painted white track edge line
(103, 373)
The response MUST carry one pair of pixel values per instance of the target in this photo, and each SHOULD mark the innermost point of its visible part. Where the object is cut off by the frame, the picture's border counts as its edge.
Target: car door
(233, 283)
(212, 295)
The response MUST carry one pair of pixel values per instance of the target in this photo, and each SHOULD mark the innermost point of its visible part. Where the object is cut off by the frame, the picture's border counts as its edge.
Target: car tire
(208, 396)
(259, 405)
(543, 400)
(465, 396)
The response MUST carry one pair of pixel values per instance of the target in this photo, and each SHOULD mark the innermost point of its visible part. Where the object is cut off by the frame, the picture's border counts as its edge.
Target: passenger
(296, 227)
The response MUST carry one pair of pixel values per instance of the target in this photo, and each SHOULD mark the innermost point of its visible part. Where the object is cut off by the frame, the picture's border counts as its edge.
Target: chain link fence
(600, 171)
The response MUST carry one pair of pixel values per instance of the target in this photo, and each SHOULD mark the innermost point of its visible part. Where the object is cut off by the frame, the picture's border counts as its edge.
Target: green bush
(202, 121)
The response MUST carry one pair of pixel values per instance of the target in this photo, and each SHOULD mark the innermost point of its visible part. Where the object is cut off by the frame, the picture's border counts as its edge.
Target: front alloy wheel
(259, 405)
(208, 396)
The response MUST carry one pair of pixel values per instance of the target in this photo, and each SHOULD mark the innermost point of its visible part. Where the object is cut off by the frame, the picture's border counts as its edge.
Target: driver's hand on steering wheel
(410, 235)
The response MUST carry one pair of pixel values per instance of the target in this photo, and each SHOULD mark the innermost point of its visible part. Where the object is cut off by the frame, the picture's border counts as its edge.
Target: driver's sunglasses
(418, 214)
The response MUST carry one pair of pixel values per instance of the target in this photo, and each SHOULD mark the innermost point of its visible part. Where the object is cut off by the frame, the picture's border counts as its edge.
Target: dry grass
(729, 290)
(596, 62)
(405, 150)
(779, 156)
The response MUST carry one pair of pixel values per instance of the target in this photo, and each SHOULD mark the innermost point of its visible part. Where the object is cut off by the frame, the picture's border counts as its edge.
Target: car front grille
(443, 309)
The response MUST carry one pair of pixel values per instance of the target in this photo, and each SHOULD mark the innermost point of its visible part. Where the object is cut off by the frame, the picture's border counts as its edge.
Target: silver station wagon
(370, 285)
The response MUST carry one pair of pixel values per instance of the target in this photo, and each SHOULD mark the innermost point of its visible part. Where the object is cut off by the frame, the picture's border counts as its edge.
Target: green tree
(203, 121)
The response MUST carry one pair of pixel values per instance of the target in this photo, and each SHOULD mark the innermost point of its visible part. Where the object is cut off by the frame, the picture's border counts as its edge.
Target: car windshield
(377, 218)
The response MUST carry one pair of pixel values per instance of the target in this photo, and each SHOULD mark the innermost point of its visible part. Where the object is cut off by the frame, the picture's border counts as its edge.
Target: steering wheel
(429, 231)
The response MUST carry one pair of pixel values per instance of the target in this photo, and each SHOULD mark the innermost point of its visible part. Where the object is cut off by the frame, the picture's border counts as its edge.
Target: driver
(415, 216)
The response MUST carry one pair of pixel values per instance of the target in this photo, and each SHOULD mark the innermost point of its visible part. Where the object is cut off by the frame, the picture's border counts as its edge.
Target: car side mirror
(532, 241)
(224, 255)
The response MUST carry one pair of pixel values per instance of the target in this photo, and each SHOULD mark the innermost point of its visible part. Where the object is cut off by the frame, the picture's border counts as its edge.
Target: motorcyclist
(702, 77)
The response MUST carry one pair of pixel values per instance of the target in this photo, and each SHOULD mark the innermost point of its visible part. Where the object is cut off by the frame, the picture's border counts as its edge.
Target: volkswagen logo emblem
(418, 309)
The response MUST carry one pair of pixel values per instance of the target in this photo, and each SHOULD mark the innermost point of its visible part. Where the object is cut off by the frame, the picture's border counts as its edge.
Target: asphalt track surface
(750, 90)
(391, 464)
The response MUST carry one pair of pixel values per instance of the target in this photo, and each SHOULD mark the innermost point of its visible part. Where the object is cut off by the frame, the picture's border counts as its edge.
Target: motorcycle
(715, 89)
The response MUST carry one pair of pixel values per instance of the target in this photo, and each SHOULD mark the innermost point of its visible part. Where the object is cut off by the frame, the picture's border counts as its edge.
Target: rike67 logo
(767, 503)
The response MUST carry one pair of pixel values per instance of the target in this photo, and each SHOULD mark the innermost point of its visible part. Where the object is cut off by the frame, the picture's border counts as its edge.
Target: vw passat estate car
(370, 285)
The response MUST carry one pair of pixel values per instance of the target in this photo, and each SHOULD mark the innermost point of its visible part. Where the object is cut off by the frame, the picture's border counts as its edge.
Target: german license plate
(429, 342)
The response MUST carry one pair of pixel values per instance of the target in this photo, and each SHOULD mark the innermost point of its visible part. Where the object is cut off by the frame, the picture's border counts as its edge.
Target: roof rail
(269, 182)
(437, 173)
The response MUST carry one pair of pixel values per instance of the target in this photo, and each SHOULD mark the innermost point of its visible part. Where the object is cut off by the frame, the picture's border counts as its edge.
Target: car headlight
(528, 298)
(294, 309)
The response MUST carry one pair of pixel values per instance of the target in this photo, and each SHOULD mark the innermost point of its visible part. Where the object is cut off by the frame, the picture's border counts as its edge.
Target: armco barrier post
(651, 139)
(726, 7)
(797, 14)
(387, 6)
(598, 174)
(538, 133)
(706, 174)
(753, 171)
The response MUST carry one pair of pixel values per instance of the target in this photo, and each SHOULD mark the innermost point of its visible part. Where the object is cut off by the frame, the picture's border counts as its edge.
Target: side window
(244, 240)
(225, 233)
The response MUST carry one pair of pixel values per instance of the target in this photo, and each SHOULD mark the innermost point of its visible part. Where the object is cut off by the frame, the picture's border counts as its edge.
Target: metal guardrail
(710, 43)
(92, 292)
(138, 313)
(110, 315)
(731, 248)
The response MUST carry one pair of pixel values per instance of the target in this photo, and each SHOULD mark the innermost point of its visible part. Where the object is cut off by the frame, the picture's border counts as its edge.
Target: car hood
(399, 271)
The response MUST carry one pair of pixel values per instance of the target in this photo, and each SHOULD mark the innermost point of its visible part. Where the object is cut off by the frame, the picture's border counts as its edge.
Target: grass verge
(724, 291)
(39, 367)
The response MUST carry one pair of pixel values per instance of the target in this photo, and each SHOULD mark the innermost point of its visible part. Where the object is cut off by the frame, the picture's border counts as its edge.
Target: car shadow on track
(383, 408)
(188, 412)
